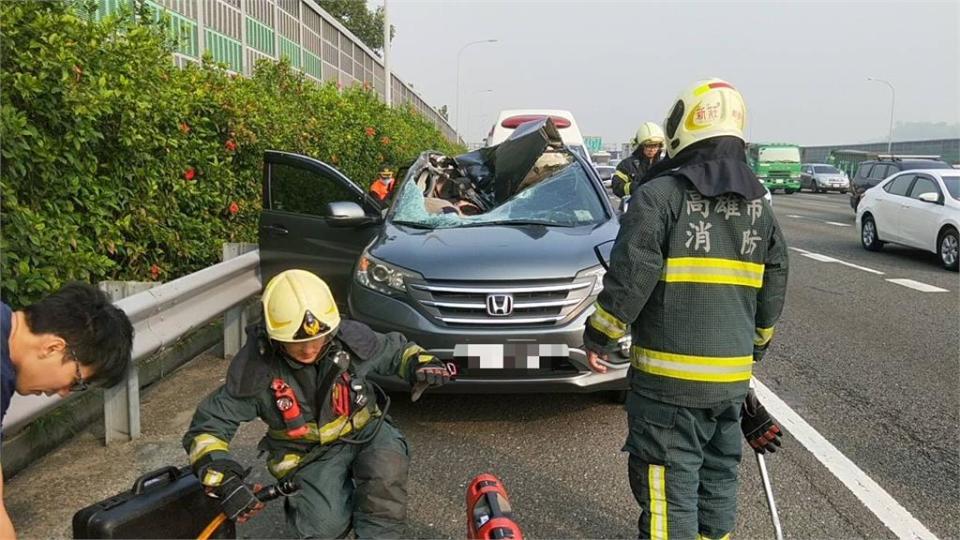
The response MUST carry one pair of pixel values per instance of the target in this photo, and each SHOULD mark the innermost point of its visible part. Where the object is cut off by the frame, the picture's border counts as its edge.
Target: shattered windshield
(564, 198)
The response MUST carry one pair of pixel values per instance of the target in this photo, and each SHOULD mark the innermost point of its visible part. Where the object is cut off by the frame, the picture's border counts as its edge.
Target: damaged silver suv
(490, 260)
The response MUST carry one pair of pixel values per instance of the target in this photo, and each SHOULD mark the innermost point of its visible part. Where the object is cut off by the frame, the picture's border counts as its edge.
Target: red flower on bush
(184, 128)
(230, 145)
(234, 208)
(385, 140)
(370, 131)
(189, 174)
(154, 271)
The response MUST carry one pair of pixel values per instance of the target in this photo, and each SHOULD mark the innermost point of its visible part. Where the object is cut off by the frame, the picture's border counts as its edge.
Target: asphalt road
(869, 364)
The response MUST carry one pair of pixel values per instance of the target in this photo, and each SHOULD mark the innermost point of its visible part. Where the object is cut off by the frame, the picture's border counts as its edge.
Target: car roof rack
(903, 157)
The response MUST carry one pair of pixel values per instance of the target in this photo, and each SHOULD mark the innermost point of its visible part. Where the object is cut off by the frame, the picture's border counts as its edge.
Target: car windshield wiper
(414, 224)
(517, 222)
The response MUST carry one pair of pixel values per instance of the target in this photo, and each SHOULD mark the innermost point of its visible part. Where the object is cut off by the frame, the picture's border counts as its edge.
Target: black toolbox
(165, 503)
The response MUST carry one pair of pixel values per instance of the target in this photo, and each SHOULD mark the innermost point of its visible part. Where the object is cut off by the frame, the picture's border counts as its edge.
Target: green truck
(777, 165)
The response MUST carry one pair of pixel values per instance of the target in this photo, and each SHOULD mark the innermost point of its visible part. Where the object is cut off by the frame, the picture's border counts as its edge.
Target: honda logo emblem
(499, 305)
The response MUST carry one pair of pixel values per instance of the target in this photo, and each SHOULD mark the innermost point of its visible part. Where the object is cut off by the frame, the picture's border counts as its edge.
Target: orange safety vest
(381, 188)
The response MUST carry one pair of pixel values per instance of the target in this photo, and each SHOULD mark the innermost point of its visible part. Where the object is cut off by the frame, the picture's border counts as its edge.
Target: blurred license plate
(508, 356)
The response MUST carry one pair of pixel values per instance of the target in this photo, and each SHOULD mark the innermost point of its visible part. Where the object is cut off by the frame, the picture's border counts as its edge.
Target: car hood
(493, 252)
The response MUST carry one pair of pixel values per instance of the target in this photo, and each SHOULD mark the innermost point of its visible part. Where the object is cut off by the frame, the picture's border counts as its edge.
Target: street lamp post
(477, 93)
(893, 100)
(460, 53)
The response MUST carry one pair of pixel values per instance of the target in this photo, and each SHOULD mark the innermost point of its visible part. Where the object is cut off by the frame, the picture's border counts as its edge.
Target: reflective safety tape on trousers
(657, 481)
(719, 369)
(714, 271)
(341, 427)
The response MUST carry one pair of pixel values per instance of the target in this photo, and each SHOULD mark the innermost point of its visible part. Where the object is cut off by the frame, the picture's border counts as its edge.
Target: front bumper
(781, 183)
(572, 374)
(838, 185)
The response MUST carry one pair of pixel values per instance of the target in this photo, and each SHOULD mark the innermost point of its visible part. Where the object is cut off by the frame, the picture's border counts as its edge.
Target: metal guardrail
(160, 317)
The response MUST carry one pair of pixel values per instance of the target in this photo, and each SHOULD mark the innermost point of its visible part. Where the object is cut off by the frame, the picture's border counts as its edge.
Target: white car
(918, 208)
(509, 120)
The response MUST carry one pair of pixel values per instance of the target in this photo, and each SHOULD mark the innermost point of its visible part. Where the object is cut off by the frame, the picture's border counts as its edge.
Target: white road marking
(894, 516)
(829, 259)
(916, 285)
(834, 223)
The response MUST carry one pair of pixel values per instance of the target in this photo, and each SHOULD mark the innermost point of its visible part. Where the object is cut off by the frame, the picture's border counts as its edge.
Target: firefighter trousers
(363, 486)
(683, 468)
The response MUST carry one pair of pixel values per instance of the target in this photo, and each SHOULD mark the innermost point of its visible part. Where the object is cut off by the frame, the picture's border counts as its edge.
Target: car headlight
(594, 274)
(380, 276)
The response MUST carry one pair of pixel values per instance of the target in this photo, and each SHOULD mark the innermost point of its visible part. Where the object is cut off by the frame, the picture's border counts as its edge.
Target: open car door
(314, 218)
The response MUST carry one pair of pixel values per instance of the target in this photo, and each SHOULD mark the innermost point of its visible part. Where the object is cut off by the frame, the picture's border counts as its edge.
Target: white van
(508, 120)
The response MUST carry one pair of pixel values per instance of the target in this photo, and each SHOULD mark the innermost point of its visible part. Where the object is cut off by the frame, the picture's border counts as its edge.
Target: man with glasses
(65, 342)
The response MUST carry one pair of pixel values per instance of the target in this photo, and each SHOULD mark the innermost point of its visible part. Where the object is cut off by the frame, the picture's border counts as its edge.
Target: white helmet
(648, 134)
(710, 108)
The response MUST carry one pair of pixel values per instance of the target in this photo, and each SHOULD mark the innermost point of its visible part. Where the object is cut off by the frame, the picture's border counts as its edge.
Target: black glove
(759, 428)
(427, 374)
(224, 480)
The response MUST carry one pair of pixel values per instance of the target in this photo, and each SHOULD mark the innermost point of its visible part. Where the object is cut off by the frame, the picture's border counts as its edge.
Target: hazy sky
(801, 66)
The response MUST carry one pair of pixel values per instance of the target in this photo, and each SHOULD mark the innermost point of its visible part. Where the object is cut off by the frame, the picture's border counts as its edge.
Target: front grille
(779, 174)
(530, 303)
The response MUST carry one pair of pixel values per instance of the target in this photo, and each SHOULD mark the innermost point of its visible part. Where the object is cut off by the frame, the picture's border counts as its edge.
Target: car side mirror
(929, 197)
(347, 214)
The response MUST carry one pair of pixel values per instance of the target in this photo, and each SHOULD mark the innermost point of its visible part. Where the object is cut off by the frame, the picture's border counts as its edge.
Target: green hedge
(118, 165)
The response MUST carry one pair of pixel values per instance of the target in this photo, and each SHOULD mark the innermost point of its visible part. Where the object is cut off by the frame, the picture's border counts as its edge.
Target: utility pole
(387, 75)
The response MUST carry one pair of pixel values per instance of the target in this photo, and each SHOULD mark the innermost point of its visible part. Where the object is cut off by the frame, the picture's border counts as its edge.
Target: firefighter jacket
(629, 172)
(335, 399)
(700, 280)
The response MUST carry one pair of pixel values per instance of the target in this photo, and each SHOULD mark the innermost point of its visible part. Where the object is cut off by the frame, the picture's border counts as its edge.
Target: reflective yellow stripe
(718, 369)
(713, 271)
(205, 443)
(212, 478)
(626, 186)
(622, 175)
(284, 466)
(336, 429)
(704, 537)
(762, 336)
(606, 323)
(405, 359)
(656, 478)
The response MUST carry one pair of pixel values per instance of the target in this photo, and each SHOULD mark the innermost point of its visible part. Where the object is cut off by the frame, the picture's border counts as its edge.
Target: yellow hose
(213, 526)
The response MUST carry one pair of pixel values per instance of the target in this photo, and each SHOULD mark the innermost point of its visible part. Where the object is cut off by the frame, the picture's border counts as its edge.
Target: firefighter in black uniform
(698, 276)
(303, 372)
(647, 147)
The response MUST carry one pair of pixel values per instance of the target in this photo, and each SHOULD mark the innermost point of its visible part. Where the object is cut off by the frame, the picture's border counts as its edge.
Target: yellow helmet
(709, 108)
(298, 306)
(648, 134)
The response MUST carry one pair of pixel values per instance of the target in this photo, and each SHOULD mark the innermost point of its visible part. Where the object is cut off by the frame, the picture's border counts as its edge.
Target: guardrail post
(234, 319)
(121, 403)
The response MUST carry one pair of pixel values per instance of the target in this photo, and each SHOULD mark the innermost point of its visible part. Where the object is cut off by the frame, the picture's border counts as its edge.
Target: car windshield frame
(409, 208)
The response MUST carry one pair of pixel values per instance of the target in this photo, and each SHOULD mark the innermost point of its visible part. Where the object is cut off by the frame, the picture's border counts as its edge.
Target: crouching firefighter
(698, 275)
(303, 372)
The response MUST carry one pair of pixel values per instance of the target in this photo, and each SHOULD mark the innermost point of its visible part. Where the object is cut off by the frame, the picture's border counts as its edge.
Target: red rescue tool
(489, 514)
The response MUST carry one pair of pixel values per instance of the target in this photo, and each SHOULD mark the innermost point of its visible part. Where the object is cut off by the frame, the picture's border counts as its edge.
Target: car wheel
(789, 191)
(949, 249)
(868, 234)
